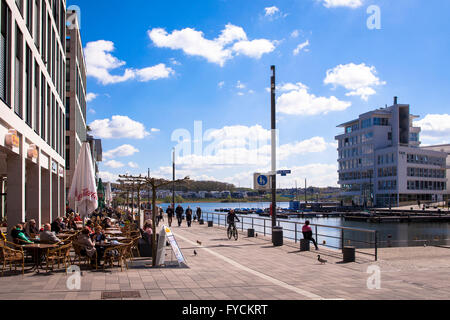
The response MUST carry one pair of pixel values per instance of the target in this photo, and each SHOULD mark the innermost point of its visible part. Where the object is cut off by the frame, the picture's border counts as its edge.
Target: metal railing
(338, 237)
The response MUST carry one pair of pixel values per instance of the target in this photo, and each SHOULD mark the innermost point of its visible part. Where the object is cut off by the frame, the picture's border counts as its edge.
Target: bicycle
(232, 232)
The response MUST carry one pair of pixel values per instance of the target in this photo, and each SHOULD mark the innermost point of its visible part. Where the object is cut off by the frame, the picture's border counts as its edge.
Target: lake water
(389, 234)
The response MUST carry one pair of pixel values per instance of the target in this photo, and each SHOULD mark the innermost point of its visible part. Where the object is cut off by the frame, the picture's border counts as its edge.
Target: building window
(30, 15)
(44, 31)
(43, 113)
(67, 159)
(5, 61)
(28, 85)
(366, 123)
(36, 97)
(18, 73)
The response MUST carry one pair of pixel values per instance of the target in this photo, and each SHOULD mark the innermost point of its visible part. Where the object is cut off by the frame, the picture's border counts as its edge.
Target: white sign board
(161, 252)
(167, 235)
(261, 181)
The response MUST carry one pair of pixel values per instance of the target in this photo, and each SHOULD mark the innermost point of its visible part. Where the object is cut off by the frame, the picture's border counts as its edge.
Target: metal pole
(173, 181)
(274, 150)
(376, 245)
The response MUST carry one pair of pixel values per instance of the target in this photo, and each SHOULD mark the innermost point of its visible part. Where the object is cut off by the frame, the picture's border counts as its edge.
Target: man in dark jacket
(189, 216)
(199, 213)
(57, 226)
(179, 211)
(170, 213)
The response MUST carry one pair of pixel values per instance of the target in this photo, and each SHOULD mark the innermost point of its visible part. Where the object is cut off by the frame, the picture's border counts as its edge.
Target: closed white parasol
(84, 190)
(108, 194)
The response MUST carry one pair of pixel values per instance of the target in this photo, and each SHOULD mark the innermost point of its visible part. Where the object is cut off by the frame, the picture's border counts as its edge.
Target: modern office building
(97, 153)
(382, 164)
(75, 87)
(32, 95)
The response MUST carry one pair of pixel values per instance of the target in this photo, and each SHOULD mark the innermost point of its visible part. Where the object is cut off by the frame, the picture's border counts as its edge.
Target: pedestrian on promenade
(189, 216)
(160, 216)
(170, 213)
(308, 234)
(179, 211)
(199, 213)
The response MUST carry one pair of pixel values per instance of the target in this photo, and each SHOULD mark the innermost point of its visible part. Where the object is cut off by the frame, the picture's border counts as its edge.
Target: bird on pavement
(195, 253)
(322, 261)
(257, 235)
(199, 242)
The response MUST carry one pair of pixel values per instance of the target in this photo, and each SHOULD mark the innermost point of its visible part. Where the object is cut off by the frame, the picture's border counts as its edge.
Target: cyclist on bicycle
(231, 217)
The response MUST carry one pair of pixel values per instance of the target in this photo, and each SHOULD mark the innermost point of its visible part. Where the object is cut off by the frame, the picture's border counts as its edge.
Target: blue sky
(155, 67)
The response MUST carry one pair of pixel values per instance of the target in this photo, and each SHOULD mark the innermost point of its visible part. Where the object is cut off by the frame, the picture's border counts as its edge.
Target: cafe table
(38, 249)
(113, 232)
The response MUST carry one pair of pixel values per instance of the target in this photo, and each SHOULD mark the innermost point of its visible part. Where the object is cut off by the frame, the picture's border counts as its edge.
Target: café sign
(12, 140)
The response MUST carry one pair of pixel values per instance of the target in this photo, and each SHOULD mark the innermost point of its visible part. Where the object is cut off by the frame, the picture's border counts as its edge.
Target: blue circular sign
(262, 180)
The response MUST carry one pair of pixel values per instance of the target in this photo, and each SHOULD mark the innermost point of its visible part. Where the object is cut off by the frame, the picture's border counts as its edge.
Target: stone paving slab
(251, 268)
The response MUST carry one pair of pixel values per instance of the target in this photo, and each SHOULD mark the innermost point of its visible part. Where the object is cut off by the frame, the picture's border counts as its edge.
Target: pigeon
(257, 235)
(322, 261)
(195, 253)
(199, 242)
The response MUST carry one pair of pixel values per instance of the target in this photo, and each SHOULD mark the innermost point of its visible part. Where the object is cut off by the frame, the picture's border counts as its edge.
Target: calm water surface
(389, 234)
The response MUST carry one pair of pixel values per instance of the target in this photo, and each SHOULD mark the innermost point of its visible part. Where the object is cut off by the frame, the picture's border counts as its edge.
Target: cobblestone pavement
(251, 269)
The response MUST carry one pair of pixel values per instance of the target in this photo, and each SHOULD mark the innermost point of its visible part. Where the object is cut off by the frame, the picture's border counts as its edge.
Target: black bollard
(349, 254)
(304, 245)
(277, 236)
(251, 233)
(210, 224)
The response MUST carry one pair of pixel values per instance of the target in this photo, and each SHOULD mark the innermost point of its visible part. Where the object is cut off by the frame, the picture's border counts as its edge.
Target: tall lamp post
(274, 150)
(173, 180)
(277, 232)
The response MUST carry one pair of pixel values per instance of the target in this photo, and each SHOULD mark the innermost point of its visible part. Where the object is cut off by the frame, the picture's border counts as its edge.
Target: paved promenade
(252, 269)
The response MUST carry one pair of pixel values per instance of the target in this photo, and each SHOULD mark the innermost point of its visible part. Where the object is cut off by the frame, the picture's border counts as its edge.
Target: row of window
(427, 173)
(388, 158)
(356, 163)
(387, 172)
(387, 185)
(354, 140)
(421, 159)
(427, 185)
(34, 102)
(355, 175)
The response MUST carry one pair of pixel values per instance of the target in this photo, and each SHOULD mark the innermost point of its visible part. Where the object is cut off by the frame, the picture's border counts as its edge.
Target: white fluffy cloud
(118, 127)
(342, 3)
(133, 165)
(108, 176)
(358, 79)
(232, 41)
(435, 128)
(100, 62)
(298, 101)
(235, 146)
(270, 11)
(91, 96)
(125, 150)
(114, 164)
(300, 47)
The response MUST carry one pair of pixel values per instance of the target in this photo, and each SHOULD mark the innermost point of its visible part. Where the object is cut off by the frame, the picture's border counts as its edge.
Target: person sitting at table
(47, 236)
(71, 225)
(56, 225)
(90, 226)
(107, 223)
(78, 218)
(30, 228)
(145, 243)
(88, 246)
(99, 235)
(19, 235)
